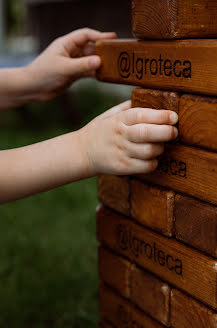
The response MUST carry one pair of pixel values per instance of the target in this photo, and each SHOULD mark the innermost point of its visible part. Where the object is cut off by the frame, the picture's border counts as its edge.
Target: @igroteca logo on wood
(128, 240)
(139, 65)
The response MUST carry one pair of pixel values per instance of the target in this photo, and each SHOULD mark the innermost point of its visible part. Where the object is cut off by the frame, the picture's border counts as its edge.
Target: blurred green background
(48, 247)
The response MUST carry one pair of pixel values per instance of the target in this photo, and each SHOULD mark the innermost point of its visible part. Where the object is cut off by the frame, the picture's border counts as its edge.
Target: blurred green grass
(48, 247)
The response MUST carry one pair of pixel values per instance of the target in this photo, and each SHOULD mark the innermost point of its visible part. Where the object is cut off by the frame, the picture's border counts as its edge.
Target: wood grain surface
(157, 99)
(196, 224)
(104, 324)
(181, 65)
(189, 170)
(153, 207)
(174, 262)
(113, 191)
(122, 313)
(197, 114)
(198, 121)
(115, 271)
(174, 19)
(188, 313)
(151, 295)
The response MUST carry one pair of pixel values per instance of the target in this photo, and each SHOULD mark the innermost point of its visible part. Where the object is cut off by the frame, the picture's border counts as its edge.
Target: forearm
(16, 88)
(40, 167)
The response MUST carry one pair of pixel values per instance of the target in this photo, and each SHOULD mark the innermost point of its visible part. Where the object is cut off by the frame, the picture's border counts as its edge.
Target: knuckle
(85, 29)
(143, 132)
(164, 116)
(128, 116)
(138, 115)
(58, 40)
(120, 129)
(121, 147)
(124, 162)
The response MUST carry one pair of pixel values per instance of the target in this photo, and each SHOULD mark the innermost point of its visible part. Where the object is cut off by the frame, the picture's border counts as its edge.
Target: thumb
(80, 66)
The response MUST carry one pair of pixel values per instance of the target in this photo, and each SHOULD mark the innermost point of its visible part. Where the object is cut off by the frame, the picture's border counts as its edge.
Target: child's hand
(67, 59)
(127, 140)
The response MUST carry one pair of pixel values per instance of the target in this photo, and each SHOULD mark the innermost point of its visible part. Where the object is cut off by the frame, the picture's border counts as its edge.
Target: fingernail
(176, 132)
(95, 62)
(174, 117)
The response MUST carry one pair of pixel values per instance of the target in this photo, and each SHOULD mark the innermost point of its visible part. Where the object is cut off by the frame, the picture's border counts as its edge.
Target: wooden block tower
(158, 232)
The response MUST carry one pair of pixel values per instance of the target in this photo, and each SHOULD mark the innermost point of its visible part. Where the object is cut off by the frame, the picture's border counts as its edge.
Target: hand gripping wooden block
(153, 207)
(196, 224)
(186, 65)
(174, 262)
(140, 287)
(197, 115)
(115, 271)
(189, 170)
(175, 19)
(122, 313)
(114, 192)
(188, 313)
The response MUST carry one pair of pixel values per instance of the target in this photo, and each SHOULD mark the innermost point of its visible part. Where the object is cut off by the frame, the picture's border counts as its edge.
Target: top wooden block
(189, 66)
(174, 19)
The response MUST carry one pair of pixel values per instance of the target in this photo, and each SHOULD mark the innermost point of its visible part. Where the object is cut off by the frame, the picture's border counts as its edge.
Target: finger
(117, 109)
(151, 116)
(151, 133)
(80, 66)
(89, 49)
(78, 38)
(145, 151)
(137, 166)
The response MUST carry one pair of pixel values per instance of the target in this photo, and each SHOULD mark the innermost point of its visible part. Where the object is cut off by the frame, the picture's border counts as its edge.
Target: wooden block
(188, 313)
(140, 287)
(174, 262)
(121, 313)
(115, 271)
(114, 192)
(176, 19)
(198, 121)
(186, 65)
(157, 99)
(189, 170)
(104, 324)
(151, 295)
(196, 224)
(153, 207)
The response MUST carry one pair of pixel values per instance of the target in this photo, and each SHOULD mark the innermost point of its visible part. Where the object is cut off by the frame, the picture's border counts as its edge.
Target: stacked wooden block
(158, 232)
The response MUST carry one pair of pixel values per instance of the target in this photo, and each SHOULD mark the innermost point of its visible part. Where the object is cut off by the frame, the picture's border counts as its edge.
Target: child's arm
(120, 141)
(64, 61)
